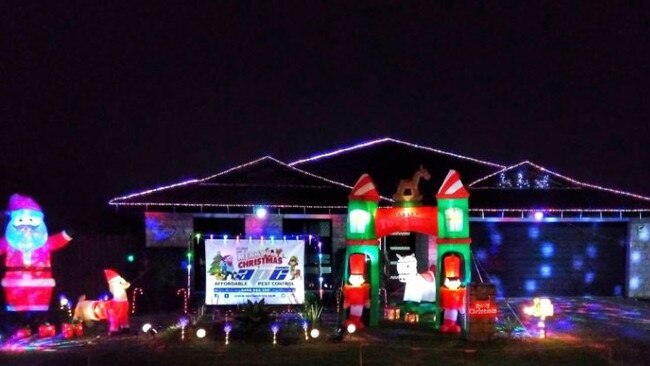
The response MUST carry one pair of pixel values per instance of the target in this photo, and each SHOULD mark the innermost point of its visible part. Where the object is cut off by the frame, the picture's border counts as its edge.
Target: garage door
(528, 259)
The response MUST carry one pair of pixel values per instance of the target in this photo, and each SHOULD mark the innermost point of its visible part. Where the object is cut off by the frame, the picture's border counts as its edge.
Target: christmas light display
(28, 280)
(119, 201)
(305, 328)
(452, 299)
(116, 310)
(227, 329)
(46, 330)
(449, 223)
(183, 291)
(356, 294)
(388, 139)
(542, 308)
(275, 328)
(136, 292)
(419, 287)
(552, 173)
(184, 321)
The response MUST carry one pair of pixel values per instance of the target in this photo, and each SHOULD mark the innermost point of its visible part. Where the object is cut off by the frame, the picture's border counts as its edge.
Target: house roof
(325, 181)
(388, 160)
(265, 181)
(526, 186)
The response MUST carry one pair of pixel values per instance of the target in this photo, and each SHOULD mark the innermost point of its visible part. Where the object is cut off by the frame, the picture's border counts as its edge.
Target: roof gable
(527, 186)
(525, 175)
(265, 181)
(388, 160)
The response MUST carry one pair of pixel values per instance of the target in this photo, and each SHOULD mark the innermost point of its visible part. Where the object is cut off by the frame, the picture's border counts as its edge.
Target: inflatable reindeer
(115, 310)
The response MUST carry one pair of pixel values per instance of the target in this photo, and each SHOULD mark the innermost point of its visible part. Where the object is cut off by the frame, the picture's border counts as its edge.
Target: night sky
(102, 100)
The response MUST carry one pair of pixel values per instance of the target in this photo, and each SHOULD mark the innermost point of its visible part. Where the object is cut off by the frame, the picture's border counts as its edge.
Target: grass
(389, 344)
(318, 353)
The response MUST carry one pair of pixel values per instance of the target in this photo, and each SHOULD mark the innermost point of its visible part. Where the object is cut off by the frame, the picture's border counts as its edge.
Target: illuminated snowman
(28, 278)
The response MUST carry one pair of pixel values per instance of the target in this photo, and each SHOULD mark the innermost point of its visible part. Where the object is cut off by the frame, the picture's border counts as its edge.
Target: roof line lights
(550, 210)
(385, 139)
(241, 166)
(582, 184)
(219, 205)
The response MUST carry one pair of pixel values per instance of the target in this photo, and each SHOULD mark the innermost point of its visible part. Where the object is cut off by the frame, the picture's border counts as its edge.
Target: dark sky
(102, 100)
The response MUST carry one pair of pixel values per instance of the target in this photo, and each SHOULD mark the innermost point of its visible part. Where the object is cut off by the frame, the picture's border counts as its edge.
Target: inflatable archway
(448, 223)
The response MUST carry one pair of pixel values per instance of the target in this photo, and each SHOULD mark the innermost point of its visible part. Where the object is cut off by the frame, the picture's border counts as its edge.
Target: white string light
(116, 201)
(237, 205)
(387, 139)
(581, 184)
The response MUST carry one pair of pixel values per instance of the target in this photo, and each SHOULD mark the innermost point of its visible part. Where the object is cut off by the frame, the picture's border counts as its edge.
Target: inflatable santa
(452, 295)
(356, 294)
(118, 308)
(28, 278)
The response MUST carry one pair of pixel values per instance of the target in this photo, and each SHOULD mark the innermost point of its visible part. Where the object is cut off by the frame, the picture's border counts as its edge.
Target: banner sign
(482, 308)
(240, 270)
(423, 219)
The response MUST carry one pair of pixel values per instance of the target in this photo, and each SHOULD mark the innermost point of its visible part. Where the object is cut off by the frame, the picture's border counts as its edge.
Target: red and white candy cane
(185, 300)
(136, 292)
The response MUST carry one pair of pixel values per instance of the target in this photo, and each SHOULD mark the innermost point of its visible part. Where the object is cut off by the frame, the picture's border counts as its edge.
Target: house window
(454, 218)
(359, 220)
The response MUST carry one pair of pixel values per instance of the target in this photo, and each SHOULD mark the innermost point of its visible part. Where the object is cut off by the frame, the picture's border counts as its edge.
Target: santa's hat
(452, 266)
(20, 202)
(110, 274)
(357, 264)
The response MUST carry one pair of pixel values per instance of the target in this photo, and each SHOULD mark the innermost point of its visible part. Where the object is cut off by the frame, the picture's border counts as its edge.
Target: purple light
(183, 321)
(539, 215)
(227, 327)
(63, 301)
(275, 327)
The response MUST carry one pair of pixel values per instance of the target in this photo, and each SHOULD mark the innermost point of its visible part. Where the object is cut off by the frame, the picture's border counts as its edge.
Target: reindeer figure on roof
(408, 190)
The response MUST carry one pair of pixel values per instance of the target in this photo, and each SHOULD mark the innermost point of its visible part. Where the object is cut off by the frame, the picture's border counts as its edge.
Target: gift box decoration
(391, 313)
(411, 318)
(46, 330)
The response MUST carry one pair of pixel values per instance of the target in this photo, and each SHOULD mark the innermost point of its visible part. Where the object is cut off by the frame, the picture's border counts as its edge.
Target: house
(534, 231)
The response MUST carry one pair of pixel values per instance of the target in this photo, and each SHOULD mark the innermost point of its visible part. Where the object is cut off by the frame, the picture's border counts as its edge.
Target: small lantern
(411, 318)
(391, 313)
(46, 330)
